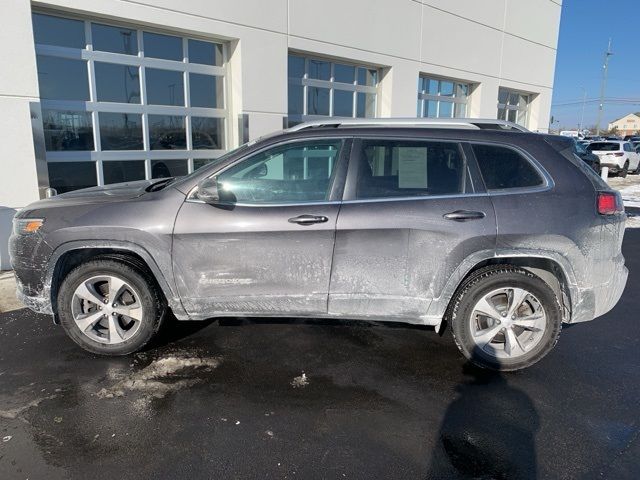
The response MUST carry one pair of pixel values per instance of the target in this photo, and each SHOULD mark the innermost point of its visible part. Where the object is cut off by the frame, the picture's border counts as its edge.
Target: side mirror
(208, 190)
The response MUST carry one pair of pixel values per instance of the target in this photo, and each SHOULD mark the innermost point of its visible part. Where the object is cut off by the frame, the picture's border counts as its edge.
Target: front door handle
(464, 215)
(308, 219)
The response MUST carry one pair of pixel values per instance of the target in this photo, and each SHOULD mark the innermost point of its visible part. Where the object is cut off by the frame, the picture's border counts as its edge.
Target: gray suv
(499, 233)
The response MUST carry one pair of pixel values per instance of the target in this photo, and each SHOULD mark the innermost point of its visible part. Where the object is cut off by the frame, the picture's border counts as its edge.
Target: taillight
(609, 203)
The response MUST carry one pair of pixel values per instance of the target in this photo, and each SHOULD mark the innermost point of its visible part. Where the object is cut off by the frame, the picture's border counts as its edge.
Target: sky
(585, 29)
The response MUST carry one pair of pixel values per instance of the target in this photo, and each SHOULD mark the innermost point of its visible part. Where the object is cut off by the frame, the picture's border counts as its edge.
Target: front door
(267, 249)
(410, 217)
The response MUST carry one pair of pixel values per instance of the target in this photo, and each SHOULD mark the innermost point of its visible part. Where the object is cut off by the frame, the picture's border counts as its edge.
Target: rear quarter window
(505, 168)
(603, 147)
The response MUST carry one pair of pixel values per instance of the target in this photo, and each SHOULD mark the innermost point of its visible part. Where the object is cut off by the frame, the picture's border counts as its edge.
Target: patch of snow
(7, 438)
(300, 381)
(15, 412)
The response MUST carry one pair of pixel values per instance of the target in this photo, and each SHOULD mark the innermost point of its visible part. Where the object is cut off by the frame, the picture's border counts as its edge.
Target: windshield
(603, 147)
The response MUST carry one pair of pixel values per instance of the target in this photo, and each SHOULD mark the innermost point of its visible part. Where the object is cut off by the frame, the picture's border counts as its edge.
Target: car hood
(105, 194)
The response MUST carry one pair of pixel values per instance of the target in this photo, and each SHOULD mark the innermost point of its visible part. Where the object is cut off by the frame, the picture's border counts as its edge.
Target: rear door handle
(464, 215)
(308, 219)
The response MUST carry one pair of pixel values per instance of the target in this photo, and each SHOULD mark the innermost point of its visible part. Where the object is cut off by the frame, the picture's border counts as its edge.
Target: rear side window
(503, 168)
(603, 147)
(627, 147)
(406, 168)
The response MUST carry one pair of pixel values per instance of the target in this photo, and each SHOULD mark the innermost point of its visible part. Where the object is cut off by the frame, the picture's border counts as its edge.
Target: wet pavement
(229, 400)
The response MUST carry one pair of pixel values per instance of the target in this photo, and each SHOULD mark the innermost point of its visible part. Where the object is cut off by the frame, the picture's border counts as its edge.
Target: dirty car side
(392, 260)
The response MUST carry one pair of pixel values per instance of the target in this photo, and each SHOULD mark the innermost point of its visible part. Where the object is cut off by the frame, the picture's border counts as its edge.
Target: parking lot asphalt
(244, 398)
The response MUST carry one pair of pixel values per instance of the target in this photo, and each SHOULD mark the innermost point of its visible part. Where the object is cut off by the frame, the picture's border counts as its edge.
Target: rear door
(267, 249)
(411, 214)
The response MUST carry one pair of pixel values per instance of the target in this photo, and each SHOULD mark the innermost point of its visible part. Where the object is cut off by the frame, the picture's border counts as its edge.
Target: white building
(101, 91)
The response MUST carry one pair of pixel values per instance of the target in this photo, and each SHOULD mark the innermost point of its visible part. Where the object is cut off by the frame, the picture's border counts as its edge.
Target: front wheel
(505, 318)
(109, 307)
(625, 170)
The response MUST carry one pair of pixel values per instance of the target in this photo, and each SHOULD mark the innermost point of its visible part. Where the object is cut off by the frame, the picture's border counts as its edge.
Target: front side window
(292, 173)
(513, 106)
(406, 168)
(441, 98)
(321, 88)
(120, 103)
(504, 168)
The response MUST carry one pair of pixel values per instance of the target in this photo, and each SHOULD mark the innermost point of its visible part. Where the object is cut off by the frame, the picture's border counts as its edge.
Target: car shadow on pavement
(488, 431)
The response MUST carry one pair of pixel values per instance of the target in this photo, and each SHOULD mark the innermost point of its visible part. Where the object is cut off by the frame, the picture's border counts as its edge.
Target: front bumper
(38, 303)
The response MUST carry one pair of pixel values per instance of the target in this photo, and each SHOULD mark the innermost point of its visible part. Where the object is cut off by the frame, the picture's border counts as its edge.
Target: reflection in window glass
(65, 130)
(206, 53)
(61, 32)
(120, 131)
(446, 89)
(442, 98)
(166, 132)
(295, 66)
(344, 73)
(296, 98)
(106, 38)
(299, 172)
(317, 101)
(367, 76)
(67, 176)
(117, 83)
(505, 168)
(62, 79)
(513, 106)
(207, 133)
(446, 110)
(157, 45)
(342, 103)
(164, 87)
(206, 91)
(430, 109)
(168, 168)
(319, 69)
(366, 105)
(119, 171)
(401, 168)
(201, 162)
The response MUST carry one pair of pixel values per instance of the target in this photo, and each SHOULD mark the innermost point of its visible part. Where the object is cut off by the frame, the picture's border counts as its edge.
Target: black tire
(484, 281)
(151, 299)
(625, 170)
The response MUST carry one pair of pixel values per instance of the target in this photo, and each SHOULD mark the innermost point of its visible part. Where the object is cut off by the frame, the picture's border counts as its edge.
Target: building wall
(627, 125)
(491, 44)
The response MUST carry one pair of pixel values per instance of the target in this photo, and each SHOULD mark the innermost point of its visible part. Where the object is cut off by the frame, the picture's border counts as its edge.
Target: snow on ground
(629, 188)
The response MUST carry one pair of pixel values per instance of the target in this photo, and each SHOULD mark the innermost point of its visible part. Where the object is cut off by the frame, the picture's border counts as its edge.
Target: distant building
(627, 125)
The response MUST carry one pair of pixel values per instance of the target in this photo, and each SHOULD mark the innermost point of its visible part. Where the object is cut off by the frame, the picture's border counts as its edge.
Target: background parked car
(589, 158)
(620, 157)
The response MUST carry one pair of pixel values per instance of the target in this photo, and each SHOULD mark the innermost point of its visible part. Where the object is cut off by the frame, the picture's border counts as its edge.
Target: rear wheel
(109, 307)
(505, 318)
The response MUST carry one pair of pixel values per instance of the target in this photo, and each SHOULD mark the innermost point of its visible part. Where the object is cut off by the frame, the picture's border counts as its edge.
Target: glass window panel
(295, 95)
(206, 91)
(207, 133)
(523, 100)
(462, 90)
(522, 118)
(122, 171)
(62, 78)
(432, 86)
(503, 96)
(419, 109)
(157, 45)
(205, 53)
(460, 110)
(317, 101)
(169, 168)
(106, 38)
(430, 109)
(117, 83)
(367, 77)
(446, 88)
(505, 168)
(511, 115)
(164, 87)
(342, 103)
(295, 66)
(62, 32)
(502, 114)
(68, 176)
(366, 105)
(167, 132)
(299, 172)
(344, 73)
(398, 168)
(513, 99)
(120, 131)
(319, 69)
(201, 162)
(446, 110)
(67, 130)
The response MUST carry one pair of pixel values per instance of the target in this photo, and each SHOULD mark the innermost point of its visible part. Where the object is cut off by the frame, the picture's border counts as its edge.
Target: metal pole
(603, 86)
(584, 101)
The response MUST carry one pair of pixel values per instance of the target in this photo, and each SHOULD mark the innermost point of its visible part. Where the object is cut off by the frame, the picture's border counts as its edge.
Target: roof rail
(460, 123)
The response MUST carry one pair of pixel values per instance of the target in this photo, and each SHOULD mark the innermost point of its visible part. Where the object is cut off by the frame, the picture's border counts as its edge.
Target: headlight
(27, 226)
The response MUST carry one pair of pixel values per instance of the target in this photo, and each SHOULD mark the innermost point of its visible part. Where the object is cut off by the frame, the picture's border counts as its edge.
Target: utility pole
(584, 101)
(603, 86)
